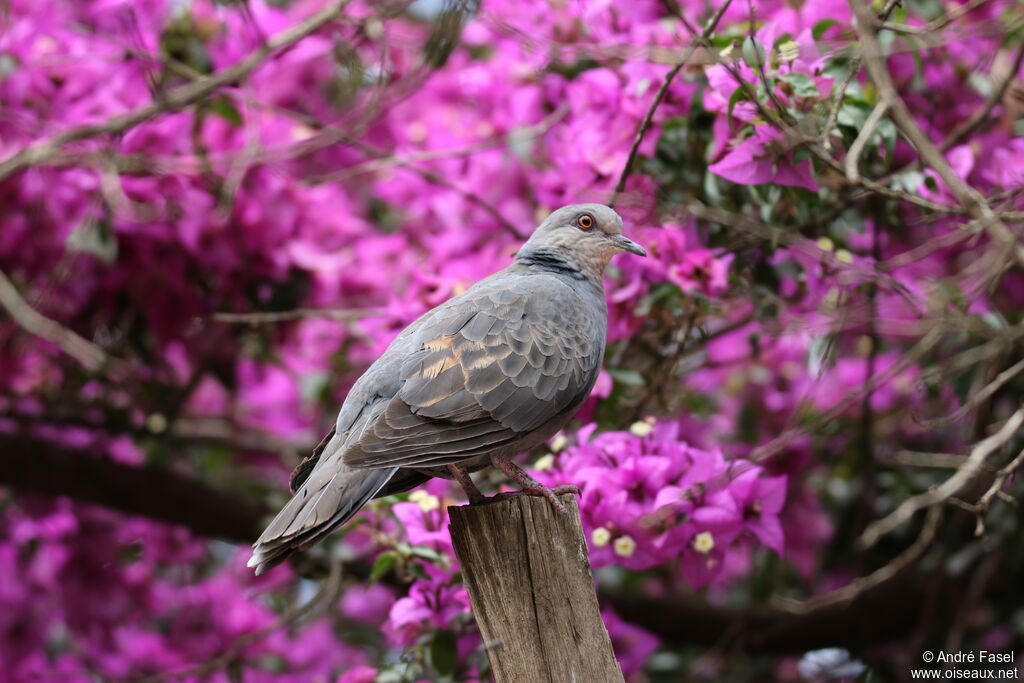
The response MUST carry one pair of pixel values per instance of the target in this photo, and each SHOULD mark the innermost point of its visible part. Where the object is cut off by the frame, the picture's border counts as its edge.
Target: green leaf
(95, 237)
(443, 652)
(630, 378)
(754, 53)
(852, 116)
(385, 562)
(225, 108)
(417, 571)
(908, 180)
(425, 553)
(803, 85)
(818, 30)
(782, 38)
(801, 153)
(738, 95)
(7, 65)
(721, 41)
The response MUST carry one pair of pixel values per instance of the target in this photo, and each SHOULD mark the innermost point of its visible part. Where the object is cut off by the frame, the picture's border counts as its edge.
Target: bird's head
(585, 234)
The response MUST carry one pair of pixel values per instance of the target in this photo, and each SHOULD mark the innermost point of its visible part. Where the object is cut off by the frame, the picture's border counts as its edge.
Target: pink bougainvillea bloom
(703, 271)
(752, 162)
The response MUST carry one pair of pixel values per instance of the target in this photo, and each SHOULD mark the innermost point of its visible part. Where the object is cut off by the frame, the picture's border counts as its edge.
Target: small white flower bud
(426, 501)
(600, 537)
(624, 546)
(545, 462)
(704, 542)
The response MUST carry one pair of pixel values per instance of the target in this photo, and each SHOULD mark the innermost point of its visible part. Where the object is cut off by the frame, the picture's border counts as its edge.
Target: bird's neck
(559, 262)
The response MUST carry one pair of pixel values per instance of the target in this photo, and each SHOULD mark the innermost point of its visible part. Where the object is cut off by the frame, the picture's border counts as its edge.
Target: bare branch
(964, 474)
(89, 355)
(837, 103)
(261, 317)
(979, 117)
(853, 156)
(935, 24)
(981, 396)
(235, 653)
(659, 96)
(995, 489)
(179, 98)
(908, 458)
(769, 450)
(885, 613)
(970, 198)
(876, 578)
(380, 160)
(162, 494)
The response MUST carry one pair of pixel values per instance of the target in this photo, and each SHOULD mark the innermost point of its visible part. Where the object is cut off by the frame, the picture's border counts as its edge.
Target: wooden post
(528, 576)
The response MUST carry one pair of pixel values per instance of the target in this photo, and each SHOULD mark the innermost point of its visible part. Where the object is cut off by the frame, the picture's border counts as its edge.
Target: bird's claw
(531, 487)
(551, 494)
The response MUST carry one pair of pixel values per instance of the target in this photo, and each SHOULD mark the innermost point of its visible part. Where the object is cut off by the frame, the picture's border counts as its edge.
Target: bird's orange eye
(585, 221)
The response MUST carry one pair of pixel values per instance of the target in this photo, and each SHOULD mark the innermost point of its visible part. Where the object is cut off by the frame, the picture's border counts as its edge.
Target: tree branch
(877, 614)
(659, 96)
(882, 614)
(964, 474)
(970, 198)
(179, 98)
(164, 495)
(89, 355)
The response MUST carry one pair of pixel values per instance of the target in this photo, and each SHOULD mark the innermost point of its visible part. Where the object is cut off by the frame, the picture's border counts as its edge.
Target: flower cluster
(649, 498)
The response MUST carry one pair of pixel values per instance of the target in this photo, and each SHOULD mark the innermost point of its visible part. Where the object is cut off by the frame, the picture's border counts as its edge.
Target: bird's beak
(626, 244)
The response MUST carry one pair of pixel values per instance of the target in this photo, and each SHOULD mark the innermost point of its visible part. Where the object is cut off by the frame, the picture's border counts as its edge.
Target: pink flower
(701, 270)
(358, 674)
(430, 604)
(754, 162)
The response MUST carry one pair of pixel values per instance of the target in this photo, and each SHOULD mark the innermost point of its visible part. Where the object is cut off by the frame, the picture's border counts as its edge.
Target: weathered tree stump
(528, 575)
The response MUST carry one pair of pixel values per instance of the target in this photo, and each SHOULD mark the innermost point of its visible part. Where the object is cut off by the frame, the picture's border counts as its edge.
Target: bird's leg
(532, 487)
(460, 475)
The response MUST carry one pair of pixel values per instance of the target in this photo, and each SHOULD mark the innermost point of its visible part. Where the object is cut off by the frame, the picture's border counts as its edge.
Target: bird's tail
(329, 497)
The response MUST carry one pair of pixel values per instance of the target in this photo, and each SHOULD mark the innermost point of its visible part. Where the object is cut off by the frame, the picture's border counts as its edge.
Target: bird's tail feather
(331, 495)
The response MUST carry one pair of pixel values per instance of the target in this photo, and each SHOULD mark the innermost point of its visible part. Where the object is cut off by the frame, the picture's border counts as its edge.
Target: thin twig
(940, 494)
(935, 24)
(798, 244)
(659, 96)
(970, 198)
(927, 248)
(262, 317)
(328, 593)
(174, 100)
(875, 578)
(853, 156)
(769, 450)
(383, 161)
(980, 396)
(837, 103)
(89, 355)
(980, 116)
(996, 489)
(907, 458)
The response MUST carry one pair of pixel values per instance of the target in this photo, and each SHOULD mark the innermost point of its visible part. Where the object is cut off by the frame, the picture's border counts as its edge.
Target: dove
(485, 376)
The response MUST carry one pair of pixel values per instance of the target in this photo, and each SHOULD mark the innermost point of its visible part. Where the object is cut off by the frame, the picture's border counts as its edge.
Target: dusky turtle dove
(485, 376)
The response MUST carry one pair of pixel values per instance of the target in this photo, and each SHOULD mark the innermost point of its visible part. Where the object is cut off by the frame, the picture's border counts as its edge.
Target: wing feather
(485, 374)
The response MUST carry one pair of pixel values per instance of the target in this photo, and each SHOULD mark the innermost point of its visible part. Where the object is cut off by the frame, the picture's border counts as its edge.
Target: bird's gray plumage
(490, 373)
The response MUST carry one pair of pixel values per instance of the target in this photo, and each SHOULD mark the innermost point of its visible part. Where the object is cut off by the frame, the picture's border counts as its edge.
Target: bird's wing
(485, 371)
(301, 472)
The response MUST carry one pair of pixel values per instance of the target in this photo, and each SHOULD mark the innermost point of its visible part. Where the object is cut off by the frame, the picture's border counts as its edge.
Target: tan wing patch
(436, 368)
(441, 343)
